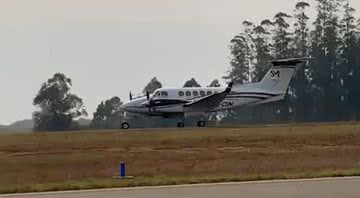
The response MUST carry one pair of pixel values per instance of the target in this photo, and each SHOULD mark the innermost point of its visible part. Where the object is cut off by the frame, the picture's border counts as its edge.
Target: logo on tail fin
(275, 74)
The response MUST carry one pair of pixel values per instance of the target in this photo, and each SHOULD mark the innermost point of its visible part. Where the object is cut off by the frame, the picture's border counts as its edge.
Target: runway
(319, 188)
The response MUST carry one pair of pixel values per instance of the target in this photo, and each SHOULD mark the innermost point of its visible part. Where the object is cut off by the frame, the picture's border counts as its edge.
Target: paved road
(317, 188)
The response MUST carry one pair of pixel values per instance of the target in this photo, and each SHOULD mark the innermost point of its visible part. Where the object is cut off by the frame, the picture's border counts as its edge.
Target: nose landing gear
(180, 125)
(201, 124)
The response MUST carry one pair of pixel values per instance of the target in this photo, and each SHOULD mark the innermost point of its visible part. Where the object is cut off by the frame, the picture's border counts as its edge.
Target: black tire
(125, 125)
(201, 124)
(180, 125)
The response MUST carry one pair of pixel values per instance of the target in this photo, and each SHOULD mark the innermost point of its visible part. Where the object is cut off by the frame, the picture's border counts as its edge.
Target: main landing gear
(200, 124)
(125, 125)
(180, 124)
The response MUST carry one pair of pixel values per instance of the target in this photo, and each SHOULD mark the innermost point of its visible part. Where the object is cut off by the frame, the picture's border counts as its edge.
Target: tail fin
(278, 78)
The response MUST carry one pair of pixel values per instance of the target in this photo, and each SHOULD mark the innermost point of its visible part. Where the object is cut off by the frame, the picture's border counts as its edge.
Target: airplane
(183, 102)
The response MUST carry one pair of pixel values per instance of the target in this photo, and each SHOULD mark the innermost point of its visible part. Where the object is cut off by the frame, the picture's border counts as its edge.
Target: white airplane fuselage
(171, 100)
(179, 102)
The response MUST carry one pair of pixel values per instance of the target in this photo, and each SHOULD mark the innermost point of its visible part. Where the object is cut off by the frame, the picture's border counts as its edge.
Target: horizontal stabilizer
(290, 61)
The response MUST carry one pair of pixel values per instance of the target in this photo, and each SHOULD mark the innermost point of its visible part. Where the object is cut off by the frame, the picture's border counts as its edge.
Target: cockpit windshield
(160, 94)
(157, 94)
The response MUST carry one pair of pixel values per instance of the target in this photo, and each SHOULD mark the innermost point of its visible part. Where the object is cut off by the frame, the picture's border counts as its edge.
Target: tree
(191, 83)
(324, 89)
(215, 83)
(153, 85)
(301, 85)
(301, 35)
(242, 52)
(281, 36)
(262, 50)
(324, 73)
(349, 69)
(58, 107)
(108, 114)
(282, 42)
(240, 64)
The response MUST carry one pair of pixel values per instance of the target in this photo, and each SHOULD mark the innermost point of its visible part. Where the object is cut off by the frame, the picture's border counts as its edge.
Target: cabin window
(209, 93)
(195, 93)
(188, 93)
(164, 93)
(202, 93)
(181, 93)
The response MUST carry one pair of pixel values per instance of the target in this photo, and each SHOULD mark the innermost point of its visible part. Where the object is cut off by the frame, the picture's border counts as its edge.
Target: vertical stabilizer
(277, 79)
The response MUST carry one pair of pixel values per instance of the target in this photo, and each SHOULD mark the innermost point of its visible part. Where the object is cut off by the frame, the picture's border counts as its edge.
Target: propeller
(229, 88)
(150, 101)
(147, 95)
(130, 96)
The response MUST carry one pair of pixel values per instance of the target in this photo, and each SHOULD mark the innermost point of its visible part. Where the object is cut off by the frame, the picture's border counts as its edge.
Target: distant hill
(4, 128)
(28, 124)
(21, 126)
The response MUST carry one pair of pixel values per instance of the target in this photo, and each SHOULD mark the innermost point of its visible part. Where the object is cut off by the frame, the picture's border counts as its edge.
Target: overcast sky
(109, 47)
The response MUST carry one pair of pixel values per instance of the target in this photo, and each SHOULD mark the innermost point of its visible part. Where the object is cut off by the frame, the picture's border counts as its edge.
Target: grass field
(57, 161)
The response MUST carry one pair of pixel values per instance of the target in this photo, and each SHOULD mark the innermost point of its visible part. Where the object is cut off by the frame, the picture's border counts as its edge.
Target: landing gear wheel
(180, 125)
(125, 125)
(201, 124)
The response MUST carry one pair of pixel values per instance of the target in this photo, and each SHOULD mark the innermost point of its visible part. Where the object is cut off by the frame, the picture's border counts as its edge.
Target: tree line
(324, 89)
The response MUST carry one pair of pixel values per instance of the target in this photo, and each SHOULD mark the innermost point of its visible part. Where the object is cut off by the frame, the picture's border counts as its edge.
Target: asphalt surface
(317, 188)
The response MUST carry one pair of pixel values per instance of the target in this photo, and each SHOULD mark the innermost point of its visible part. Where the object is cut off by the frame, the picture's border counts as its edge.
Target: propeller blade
(147, 95)
(229, 88)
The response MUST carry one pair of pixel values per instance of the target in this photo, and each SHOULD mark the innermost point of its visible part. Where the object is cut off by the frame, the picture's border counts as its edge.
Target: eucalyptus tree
(350, 66)
(282, 38)
(57, 106)
(239, 71)
(215, 83)
(324, 72)
(108, 114)
(192, 83)
(301, 42)
(153, 85)
(262, 55)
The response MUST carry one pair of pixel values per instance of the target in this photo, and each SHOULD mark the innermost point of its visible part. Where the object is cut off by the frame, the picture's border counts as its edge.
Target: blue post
(122, 169)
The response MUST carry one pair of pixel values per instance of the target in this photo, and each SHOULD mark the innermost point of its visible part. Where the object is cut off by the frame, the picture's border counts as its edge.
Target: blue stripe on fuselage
(252, 93)
(254, 97)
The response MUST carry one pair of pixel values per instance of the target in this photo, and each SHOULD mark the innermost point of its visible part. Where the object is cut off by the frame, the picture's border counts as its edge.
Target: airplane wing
(209, 102)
